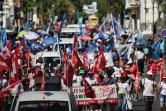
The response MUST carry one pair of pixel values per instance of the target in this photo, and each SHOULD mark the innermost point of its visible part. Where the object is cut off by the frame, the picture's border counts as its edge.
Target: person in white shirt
(77, 79)
(149, 90)
(91, 79)
(162, 90)
(140, 60)
(123, 89)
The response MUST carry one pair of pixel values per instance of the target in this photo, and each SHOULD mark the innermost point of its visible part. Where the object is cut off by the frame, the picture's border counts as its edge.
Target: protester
(149, 90)
(162, 91)
(91, 80)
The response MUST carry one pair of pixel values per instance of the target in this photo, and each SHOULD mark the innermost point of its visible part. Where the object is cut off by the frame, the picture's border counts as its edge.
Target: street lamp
(145, 1)
(153, 1)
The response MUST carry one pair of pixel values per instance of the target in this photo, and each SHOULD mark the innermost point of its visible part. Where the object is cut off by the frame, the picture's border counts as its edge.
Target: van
(45, 101)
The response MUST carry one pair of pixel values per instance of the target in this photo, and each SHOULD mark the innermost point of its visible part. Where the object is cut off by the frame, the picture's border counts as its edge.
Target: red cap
(151, 60)
(124, 74)
(164, 77)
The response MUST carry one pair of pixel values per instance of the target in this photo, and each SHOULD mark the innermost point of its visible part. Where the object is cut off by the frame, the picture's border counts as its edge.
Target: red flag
(161, 71)
(68, 69)
(4, 55)
(159, 64)
(14, 67)
(137, 80)
(21, 49)
(42, 82)
(100, 62)
(85, 59)
(8, 89)
(75, 58)
(89, 92)
(28, 54)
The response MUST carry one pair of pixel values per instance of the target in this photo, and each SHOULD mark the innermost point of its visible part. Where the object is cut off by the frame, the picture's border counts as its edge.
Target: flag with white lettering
(89, 92)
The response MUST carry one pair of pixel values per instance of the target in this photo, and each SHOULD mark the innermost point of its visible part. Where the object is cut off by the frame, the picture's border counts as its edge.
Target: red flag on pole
(68, 69)
(138, 78)
(7, 90)
(85, 60)
(89, 92)
(100, 62)
(75, 58)
(4, 55)
(28, 54)
(14, 67)
(21, 49)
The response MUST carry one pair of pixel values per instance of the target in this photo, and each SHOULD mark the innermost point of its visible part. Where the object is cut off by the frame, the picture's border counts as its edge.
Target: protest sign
(104, 94)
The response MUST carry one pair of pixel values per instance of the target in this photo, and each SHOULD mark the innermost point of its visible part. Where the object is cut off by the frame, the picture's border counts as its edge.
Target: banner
(104, 94)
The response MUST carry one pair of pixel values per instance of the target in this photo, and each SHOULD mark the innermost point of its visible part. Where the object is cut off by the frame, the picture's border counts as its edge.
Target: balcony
(133, 4)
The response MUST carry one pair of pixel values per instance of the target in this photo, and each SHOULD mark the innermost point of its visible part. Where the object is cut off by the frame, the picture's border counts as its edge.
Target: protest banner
(104, 94)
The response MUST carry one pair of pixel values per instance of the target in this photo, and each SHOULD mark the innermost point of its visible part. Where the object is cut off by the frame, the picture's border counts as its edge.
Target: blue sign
(163, 32)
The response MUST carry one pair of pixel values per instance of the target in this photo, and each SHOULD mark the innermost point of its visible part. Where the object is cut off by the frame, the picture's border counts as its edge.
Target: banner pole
(12, 103)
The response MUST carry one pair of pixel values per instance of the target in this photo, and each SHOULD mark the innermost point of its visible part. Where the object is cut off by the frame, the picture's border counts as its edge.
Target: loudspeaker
(53, 83)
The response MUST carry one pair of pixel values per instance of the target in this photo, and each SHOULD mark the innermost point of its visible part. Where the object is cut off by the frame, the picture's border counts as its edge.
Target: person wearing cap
(91, 79)
(123, 90)
(77, 78)
(162, 91)
(149, 90)
(152, 66)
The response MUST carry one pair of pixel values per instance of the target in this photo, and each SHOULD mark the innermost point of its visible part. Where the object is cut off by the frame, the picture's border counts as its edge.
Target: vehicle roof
(66, 40)
(38, 95)
(70, 30)
(75, 25)
(47, 54)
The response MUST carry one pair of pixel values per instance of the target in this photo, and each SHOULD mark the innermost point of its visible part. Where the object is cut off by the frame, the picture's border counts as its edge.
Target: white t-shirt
(163, 88)
(148, 87)
(77, 80)
(123, 88)
(140, 55)
(92, 81)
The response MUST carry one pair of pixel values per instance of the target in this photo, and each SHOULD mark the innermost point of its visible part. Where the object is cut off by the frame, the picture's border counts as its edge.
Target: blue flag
(91, 48)
(118, 31)
(156, 49)
(4, 36)
(62, 22)
(1, 43)
(27, 26)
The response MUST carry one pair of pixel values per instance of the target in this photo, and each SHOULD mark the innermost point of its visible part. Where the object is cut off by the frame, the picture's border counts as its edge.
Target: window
(43, 106)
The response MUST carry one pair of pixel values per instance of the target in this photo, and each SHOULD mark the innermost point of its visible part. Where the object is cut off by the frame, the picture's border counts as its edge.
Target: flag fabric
(21, 49)
(89, 92)
(28, 54)
(156, 49)
(138, 34)
(102, 28)
(161, 71)
(159, 64)
(7, 90)
(109, 60)
(85, 61)
(68, 69)
(27, 26)
(14, 67)
(91, 48)
(62, 22)
(1, 42)
(42, 82)
(130, 37)
(100, 63)
(118, 31)
(4, 36)
(75, 58)
(4, 55)
(137, 80)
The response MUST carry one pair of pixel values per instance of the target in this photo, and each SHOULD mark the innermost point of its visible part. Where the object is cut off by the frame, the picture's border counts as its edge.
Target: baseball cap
(149, 73)
(90, 73)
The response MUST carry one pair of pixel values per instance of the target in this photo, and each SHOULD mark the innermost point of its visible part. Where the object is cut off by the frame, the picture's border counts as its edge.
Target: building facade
(139, 15)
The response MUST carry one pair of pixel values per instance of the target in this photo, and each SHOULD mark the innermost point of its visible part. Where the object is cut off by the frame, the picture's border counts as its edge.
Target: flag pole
(12, 103)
